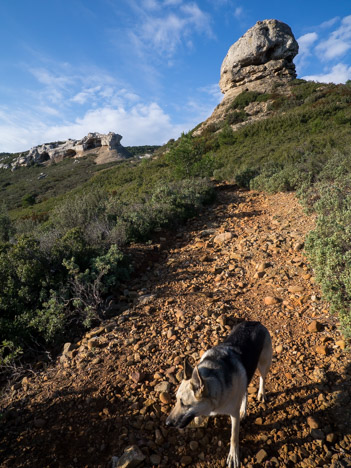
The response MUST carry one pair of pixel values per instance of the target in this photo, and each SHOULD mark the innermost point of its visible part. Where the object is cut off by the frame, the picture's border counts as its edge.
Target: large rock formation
(107, 148)
(260, 59)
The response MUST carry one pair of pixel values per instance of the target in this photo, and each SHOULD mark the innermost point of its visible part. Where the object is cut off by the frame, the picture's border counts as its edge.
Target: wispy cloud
(328, 47)
(338, 42)
(238, 12)
(329, 23)
(213, 91)
(306, 43)
(338, 74)
(162, 30)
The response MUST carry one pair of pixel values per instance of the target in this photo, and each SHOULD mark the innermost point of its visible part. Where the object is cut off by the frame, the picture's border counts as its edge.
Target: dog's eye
(182, 404)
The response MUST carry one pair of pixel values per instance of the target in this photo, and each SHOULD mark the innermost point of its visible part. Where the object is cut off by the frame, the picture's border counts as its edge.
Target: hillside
(82, 216)
(110, 274)
(103, 393)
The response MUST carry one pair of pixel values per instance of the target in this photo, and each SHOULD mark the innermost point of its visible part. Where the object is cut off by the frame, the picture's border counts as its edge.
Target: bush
(244, 177)
(189, 159)
(56, 281)
(227, 136)
(235, 117)
(28, 200)
(274, 179)
(329, 250)
(6, 227)
(244, 99)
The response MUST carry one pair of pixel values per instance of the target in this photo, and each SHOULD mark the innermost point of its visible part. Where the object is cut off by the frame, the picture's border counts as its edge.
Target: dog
(218, 384)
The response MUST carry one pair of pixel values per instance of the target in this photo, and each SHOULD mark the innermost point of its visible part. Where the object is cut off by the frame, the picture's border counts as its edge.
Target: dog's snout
(169, 422)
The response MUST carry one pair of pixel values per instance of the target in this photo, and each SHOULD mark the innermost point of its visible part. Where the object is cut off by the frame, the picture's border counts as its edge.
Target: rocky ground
(242, 258)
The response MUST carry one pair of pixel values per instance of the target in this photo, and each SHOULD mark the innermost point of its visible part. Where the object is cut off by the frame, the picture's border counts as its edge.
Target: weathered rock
(315, 327)
(322, 349)
(97, 142)
(163, 387)
(67, 347)
(313, 422)
(223, 237)
(260, 61)
(261, 456)
(340, 344)
(132, 457)
(270, 300)
(296, 289)
(263, 54)
(165, 398)
(137, 377)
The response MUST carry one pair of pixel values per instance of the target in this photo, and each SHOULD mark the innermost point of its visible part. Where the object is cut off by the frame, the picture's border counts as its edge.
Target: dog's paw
(261, 398)
(242, 413)
(233, 460)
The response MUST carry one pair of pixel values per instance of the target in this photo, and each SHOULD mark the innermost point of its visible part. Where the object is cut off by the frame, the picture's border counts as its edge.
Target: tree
(186, 156)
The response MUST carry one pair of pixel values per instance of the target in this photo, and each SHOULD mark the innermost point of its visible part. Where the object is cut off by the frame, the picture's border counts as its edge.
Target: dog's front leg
(233, 457)
(243, 406)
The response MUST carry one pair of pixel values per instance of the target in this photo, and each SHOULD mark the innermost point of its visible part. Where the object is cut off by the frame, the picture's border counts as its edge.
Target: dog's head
(192, 399)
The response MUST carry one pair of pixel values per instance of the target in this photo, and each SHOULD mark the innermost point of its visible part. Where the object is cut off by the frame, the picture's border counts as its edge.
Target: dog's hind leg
(243, 406)
(233, 456)
(264, 364)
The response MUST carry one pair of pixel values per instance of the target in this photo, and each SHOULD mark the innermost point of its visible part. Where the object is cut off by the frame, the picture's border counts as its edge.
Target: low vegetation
(142, 150)
(304, 146)
(62, 237)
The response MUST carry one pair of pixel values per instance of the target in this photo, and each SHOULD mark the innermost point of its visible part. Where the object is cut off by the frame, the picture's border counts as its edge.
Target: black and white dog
(218, 384)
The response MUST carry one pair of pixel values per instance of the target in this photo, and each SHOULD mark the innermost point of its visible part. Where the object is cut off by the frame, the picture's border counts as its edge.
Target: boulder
(132, 457)
(260, 61)
(107, 146)
(263, 55)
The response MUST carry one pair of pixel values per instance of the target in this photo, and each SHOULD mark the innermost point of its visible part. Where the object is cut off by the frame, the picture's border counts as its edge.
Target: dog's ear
(188, 370)
(198, 384)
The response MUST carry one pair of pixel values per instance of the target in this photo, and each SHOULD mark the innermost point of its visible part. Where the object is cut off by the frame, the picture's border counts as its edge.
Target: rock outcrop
(260, 59)
(106, 146)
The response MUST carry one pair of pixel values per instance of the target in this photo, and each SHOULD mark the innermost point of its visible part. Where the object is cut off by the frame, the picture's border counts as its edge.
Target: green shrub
(28, 199)
(227, 136)
(235, 117)
(243, 178)
(244, 99)
(6, 227)
(329, 250)
(274, 179)
(189, 158)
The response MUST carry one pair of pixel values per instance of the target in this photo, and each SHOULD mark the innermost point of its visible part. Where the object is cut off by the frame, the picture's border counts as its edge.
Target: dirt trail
(242, 258)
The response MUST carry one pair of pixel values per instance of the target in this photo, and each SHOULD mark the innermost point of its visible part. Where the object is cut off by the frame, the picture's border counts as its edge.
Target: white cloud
(306, 43)
(150, 4)
(238, 12)
(172, 2)
(49, 79)
(164, 27)
(340, 73)
(142, 123)
(338, 42)
(213, 91)
(87, 94)
(329, 23)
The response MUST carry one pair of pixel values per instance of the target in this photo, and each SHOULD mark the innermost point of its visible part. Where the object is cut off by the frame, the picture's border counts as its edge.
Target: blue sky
(147, 69)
